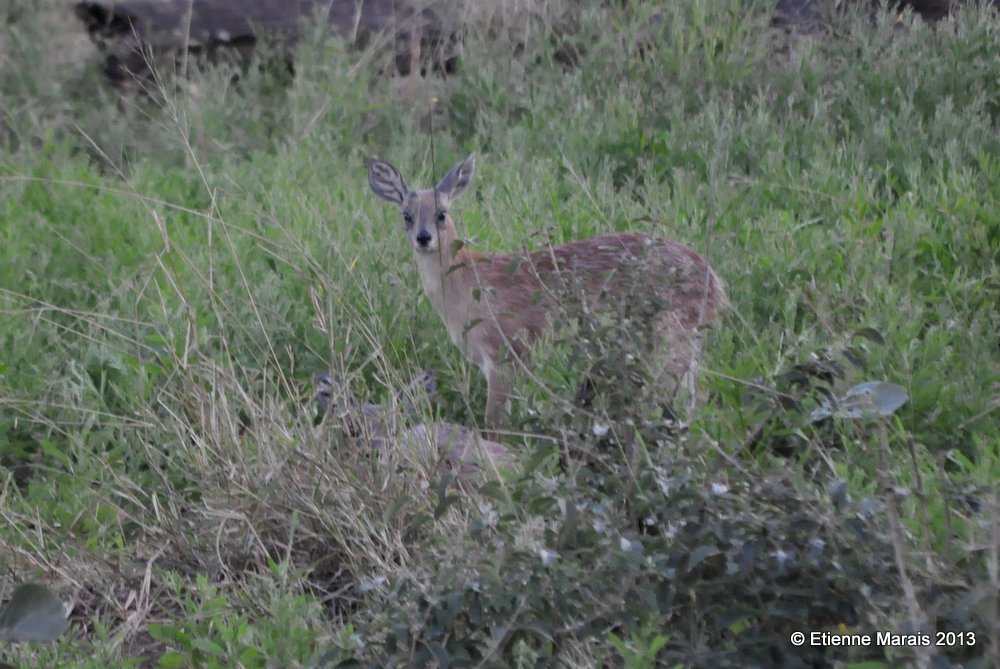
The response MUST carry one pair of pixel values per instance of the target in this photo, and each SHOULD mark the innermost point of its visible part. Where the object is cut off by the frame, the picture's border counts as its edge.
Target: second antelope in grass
(450, 447)
(497, 303)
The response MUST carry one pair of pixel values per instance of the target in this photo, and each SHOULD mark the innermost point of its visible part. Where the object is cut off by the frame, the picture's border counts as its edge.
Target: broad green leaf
(394, 508)
(494, 490)
(872, 334)
(872, 399)
(208, 646)
(700, 554)
(454, 268)
(440, 654)
(172, 659)
(34, 613)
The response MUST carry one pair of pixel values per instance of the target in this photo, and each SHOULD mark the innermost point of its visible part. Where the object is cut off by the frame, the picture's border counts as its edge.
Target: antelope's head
(425, 212)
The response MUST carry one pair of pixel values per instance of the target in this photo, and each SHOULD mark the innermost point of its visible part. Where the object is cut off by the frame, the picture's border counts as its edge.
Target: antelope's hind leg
(677, 356)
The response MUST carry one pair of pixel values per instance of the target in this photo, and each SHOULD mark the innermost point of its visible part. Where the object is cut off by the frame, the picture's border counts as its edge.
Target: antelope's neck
(444, 276)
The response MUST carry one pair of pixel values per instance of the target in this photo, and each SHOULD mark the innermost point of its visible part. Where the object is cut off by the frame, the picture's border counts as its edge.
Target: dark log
(134, 33)
(812, 15)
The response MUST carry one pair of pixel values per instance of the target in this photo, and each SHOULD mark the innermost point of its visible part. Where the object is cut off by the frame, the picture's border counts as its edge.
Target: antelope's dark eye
(407, 218)
(442, 215)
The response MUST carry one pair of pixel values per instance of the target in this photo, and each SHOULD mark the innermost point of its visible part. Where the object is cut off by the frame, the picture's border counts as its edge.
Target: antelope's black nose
(423, 238)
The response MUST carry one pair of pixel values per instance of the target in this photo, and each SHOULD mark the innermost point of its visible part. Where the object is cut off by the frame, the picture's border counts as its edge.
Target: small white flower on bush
(373, 584)
(816, 546)
(548, 557)
(600, 429)
(719, 488)
(488, 514)
(630, 547)
(783, 557)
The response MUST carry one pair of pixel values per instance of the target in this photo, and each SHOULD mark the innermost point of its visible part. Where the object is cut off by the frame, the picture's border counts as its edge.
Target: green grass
(174, 268)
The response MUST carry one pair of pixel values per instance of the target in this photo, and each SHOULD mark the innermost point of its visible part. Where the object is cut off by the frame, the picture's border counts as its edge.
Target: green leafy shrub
(725, 570)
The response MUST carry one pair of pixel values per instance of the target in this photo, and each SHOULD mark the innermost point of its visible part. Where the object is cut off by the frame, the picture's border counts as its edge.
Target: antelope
(448, 445)
(495, 305)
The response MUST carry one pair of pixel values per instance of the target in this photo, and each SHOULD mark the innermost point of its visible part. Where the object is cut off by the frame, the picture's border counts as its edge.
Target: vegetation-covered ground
(175, 267)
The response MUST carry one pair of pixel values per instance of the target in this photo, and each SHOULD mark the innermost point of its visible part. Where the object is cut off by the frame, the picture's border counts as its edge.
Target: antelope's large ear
(458, 179)
(387, 182)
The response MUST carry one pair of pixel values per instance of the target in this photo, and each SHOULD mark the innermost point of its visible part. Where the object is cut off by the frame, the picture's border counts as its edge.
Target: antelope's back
(635, 266)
